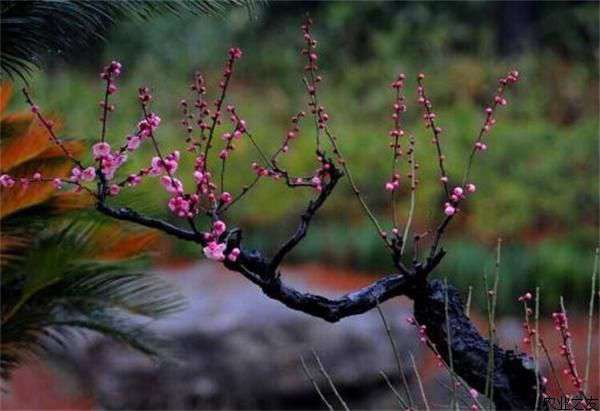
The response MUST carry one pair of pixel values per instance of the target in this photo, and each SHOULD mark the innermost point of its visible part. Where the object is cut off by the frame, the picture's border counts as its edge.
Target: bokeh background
(537, 183)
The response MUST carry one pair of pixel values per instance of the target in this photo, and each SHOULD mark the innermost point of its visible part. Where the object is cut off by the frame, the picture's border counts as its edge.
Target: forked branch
(513, 372)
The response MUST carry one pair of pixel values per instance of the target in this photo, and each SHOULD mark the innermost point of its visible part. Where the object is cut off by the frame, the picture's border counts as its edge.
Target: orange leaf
(74, 147)
(17, 150)
(121, 245)
(5, 95)
(18, 198)
(23, 139)
(67, 201)
(15, 125)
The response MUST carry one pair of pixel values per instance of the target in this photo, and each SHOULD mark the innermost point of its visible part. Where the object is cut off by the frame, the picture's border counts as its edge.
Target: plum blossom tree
(437, 306)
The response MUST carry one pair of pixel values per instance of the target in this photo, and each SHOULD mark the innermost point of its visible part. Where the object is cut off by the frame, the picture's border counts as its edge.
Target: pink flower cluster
(144, 95)
(474, 394)
(458, 194)
(262, 171)
(203, 178)
(181, 204)
(85, 175)
(147, 126)
(167, 165)
(422, 332)
(499, 100)
(399, 107)
(234, 54)
(291, 133)
(199, 87)
(310, 51)
(239, 128)
(320, 174)
(429, 116)
(394, 183)
(530, 332)
(311, 46)
(109, 161)
(109, 73)
(214, 250)
(7, 181)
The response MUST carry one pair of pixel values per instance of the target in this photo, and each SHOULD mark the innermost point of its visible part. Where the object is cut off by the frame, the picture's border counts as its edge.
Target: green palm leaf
(52, 291)
(30, 30)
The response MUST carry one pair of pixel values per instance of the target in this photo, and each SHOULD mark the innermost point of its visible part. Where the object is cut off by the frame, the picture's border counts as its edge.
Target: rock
(237, 349)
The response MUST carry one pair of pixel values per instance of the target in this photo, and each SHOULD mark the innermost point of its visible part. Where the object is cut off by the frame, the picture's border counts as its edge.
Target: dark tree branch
(306, 217)
(127, 214)
(331, 310)
(514, 375)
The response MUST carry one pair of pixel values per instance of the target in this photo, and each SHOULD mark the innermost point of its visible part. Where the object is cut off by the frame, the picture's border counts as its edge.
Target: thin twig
(48, 126)
(330, 381)
(401, 401)
(536, 357)
(492, 322)
(314, 383)
(449, 338)
(412, 358)
(355, 189)
(588, 357)
(396, 355)
(105, 108)
(568, 343)
(218, 107)
(413, 189)
(468, 305)
(436, 136)
(242, 193)
(552, 368)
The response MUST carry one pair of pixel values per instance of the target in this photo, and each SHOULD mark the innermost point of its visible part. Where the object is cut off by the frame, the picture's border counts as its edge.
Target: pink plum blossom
(147, 126)
(133, 142)
(449, 210)
(172, 185)
(180, 206)
(114, 190)
(234, 254)
(218, 228)
(226, 197)
(133, 180)
(89, 174)
(75, 174)
(458, 191)
(100, 150)
(214, 251)
(198, 176)
(6, 181)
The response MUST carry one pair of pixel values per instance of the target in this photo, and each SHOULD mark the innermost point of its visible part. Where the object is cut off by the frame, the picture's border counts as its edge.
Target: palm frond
(54, 290)
(30, 30)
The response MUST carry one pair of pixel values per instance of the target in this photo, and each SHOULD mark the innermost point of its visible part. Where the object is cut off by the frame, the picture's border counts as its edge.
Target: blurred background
(537, 186)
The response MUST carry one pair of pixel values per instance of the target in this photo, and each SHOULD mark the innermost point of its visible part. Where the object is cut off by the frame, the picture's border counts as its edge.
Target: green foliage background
(537, 184)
